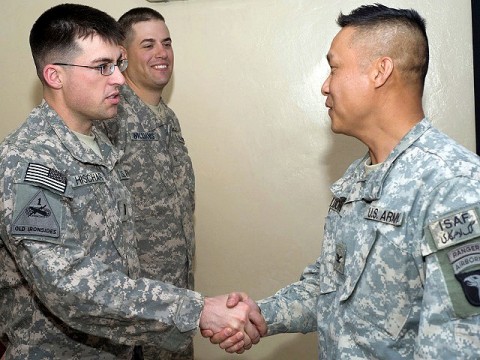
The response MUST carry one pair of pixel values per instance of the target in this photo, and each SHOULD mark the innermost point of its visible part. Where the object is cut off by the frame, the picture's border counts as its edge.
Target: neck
(385, 138)
(150, 97)
(72, 120)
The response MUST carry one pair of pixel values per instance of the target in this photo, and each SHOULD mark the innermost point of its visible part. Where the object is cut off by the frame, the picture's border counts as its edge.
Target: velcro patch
(455, 229)
(383, 215)
(123, 174)
(340, 253)
(337, 203)
(144, 136)
(89, 178)
(465, 260)
(36, 218)
(45, 176)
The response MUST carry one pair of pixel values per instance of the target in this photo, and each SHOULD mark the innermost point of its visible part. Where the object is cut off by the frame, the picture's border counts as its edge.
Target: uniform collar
(359, 185)
(76, 148)
(150, 120)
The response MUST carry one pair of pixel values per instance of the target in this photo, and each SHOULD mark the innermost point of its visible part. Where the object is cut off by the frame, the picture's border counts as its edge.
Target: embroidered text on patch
(37, 218)
(383, 215)
(88, 178)
(455, 229)
(144, 136)
(46, 176)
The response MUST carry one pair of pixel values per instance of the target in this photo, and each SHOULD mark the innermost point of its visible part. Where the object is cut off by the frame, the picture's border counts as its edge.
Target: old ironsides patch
(36, 218)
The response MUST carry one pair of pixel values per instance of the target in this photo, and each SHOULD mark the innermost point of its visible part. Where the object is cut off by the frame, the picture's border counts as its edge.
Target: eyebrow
(105, 60)
(150, 40)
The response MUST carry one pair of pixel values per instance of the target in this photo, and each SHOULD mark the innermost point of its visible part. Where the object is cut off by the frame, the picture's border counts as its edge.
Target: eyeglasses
(105, 69)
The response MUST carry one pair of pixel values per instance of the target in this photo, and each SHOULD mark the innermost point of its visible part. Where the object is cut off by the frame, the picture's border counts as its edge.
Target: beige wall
(246, 89)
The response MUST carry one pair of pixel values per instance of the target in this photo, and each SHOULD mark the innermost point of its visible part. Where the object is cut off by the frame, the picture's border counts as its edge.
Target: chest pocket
(381, 282)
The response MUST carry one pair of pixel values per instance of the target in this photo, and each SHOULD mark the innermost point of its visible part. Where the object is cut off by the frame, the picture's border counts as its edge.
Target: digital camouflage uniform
(68, 259)
(162, 184)
(399, 273)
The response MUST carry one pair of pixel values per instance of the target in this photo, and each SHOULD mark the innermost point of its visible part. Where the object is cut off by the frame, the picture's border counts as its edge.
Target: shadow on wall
(283, 346)
(36, 94)
(342, 152)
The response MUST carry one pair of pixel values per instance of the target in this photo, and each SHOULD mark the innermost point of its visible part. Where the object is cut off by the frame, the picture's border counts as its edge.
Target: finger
(206, 333)
(252, 333)
(257, 319)
(233, 299)
(247, 340)
(218, 337)
(237, 348)
(233, 340)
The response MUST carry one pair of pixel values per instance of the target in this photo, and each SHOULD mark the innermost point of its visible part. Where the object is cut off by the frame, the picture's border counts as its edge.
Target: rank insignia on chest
(340, 253)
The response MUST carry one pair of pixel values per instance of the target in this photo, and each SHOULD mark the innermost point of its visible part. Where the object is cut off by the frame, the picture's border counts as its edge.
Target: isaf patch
(455, 229)
(36, 217)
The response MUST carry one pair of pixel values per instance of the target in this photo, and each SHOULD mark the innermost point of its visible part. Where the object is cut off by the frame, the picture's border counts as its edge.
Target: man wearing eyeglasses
(155, 156)
(69, 285)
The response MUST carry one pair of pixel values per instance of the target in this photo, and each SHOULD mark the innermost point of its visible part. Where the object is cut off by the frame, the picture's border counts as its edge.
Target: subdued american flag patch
(46, 176)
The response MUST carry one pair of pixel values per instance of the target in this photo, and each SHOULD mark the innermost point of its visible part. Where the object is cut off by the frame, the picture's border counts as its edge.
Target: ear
(53, 76)
(123, 51)
(382, 70)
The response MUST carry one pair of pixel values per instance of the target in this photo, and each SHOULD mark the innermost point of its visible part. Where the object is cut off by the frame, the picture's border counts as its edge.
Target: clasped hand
(234, 322)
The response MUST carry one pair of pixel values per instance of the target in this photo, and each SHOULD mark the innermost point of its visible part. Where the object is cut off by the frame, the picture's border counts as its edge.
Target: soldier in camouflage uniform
(161, 178)
(399, 272)
(69, 286)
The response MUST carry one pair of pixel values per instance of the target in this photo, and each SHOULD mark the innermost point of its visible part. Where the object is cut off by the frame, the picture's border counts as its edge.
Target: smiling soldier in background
(155, 158)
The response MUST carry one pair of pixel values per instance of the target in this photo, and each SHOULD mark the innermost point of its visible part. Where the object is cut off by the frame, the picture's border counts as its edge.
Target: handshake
(233, 321)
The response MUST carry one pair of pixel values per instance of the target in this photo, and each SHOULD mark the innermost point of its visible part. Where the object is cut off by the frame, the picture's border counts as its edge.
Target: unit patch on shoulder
(36, 217)
(465, 260)
(455, 229)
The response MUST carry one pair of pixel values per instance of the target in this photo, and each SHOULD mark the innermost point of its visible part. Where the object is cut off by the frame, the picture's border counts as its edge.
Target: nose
(326, 86)
(117, 77)
(161, 52)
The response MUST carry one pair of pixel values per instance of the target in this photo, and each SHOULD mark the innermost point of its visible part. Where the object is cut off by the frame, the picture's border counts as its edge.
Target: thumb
(233, 299)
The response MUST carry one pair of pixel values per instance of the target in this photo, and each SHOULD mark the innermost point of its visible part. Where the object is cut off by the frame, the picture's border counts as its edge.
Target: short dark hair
(137, 15)
(413, 38)
(54, 34)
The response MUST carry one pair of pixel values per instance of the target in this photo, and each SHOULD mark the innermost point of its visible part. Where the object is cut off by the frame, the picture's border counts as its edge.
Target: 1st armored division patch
(36, 217)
